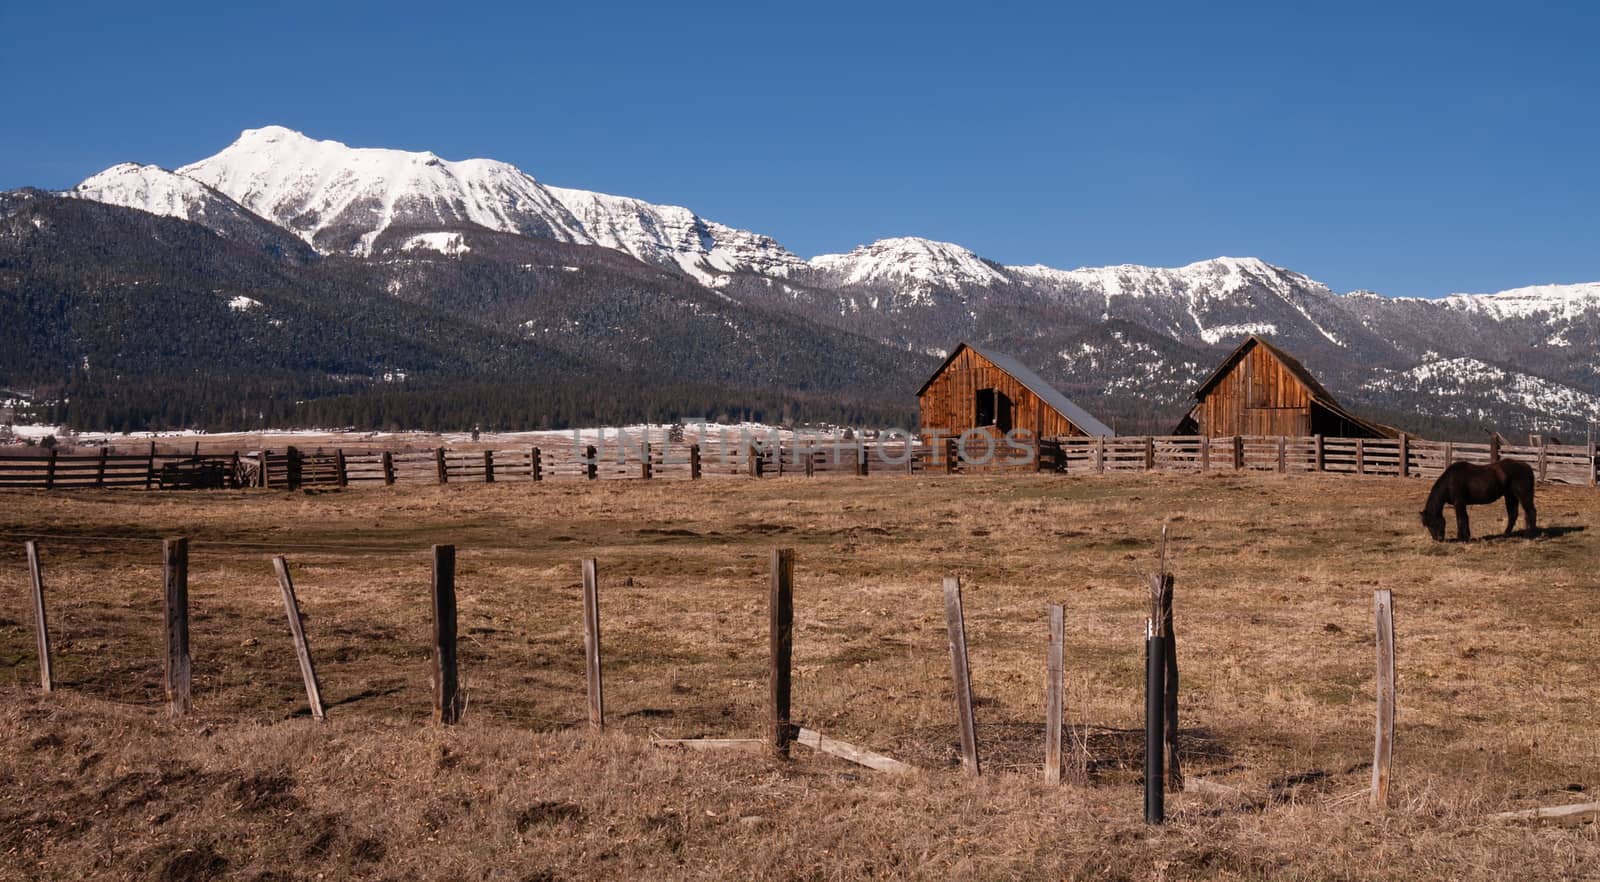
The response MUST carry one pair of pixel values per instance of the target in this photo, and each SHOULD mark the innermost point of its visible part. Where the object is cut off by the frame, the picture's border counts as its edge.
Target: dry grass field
(1498, 696)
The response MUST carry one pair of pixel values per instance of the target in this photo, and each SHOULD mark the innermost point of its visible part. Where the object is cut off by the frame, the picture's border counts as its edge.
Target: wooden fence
(637, 459)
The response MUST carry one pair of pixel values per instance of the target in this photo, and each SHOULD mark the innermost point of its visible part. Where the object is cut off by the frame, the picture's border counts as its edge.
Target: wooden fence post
(50, 469)
(1594, 463)
(1361, 456)
(911, 455)
(1170, 697)
(1544, 457)
(1283, 454)
(781, 640)
(952, 452)
(488, 467)
(1205, 453)
(1238, 453)
(1404, 469)
(646, 469)
(297, 631)
(388, 467)
(1383, 745)
(1494, 447)
(956, 629)
(694, 462)
(536, 464)
(440, 467)
(1149, 453)
(344, 471)
(100, 472)
(41, 626)
(150, 467)
(1100, 454)
(592, 463)
(446, 686)
(591, 644)
(294, 468)
(175, 573)
(1052, 696)
(1318, 457)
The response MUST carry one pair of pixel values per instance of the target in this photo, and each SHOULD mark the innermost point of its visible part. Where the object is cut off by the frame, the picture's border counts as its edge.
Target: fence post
(646, 469)
(592, 463)
(1100, 454)
(1594, 464)
(1404, 469)
(1283, 454)
(591, 644)
(1494, 447)
(956, 629)
(952, 450)
(441, 468)
(1170, 695)
(150, 468)
(488, 467)
(1318, 459)
(1155, 691)
(1449, 453)
(780, 632)
(388, 468)
(297, 631)
(1383, 745)
(446, 686)
(1149, 453)
(100, 473)
(41, 626)
(175, 575)
(861, 458)
(811, 461)
(1205, 453)
(1052, 696)
(293, 468)
(50, 469)
(694, 462)
(344, 472)
(536, 464)
(1544, 456)
(1361, 456)
(1238, 453)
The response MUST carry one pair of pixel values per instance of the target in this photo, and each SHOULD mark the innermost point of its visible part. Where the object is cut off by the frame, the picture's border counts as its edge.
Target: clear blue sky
(1413, 149)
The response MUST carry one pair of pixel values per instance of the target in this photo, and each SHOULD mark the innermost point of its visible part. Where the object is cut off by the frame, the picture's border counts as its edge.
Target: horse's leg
(1463, 531)
(1529, 514)
(1511, 512)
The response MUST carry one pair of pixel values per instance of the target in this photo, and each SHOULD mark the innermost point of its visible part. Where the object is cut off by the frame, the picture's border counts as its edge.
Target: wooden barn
(980, 388)
(1262, 390)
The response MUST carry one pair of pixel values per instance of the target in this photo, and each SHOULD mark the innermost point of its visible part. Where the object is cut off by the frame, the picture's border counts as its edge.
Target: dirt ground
(1275, 580)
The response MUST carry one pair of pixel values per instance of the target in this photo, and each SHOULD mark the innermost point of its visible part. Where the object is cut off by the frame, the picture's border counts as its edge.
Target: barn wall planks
(950, 401)
(1258, 396)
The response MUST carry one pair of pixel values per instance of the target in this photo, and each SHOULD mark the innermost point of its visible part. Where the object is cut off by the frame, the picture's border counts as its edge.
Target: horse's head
(1435, 525)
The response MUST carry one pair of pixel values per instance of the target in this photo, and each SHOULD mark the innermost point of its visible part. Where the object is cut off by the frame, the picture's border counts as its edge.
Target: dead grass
(1274, 608)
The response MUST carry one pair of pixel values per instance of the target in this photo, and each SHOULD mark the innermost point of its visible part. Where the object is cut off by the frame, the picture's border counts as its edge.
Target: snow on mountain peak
(151, 188)
(340, 198)
(1556, 301)
(922, 262)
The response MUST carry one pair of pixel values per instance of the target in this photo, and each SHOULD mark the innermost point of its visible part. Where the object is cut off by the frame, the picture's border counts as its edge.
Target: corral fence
(637, 457)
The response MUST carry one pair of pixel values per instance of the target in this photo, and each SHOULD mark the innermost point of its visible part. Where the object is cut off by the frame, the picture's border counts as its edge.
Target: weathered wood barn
(1262, 390)
(984, 389)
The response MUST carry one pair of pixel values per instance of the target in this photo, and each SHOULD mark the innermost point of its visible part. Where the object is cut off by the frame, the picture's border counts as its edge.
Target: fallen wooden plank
(820, 742)
(1576, 813)
(751, 744)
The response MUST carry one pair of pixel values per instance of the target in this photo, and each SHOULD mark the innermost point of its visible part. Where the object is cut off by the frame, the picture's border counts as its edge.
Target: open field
(1497, 689)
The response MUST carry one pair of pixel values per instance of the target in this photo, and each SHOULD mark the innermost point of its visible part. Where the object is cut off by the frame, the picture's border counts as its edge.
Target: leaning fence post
(446, 687)
(591, 644)
(780, 632)
(175, 575)
(297, 631)
(1052, 696)
(536, 464)
(41, 626)
(956, 629)
(1383, 743)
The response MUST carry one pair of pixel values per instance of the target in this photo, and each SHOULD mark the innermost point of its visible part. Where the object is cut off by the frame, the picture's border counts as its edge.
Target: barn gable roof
(1047, 393)
(1319, 393)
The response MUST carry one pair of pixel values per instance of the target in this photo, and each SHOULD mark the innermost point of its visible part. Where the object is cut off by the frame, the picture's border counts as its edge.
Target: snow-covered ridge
(1473, 380)
(158, 191)
(921, 262)
(1556, 301)
(341, 198)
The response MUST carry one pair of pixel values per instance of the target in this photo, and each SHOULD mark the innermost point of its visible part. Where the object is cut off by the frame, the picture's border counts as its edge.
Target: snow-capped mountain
(1126, 333)
(1473, 389)
(341, 199)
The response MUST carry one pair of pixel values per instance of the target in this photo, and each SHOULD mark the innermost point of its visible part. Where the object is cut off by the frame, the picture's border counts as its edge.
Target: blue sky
(1414, 149)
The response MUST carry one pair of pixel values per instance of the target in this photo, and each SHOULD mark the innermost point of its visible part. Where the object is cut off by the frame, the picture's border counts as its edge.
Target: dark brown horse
(1465, 483)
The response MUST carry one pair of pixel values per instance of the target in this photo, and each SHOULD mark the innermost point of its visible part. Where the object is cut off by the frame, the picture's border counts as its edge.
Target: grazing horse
(1465, 483)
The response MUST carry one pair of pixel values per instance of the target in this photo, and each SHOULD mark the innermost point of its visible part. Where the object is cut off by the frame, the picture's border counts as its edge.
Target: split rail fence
(293, 468)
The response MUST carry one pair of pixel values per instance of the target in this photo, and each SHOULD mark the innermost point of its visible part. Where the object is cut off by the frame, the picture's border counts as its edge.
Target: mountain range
(373, 285)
